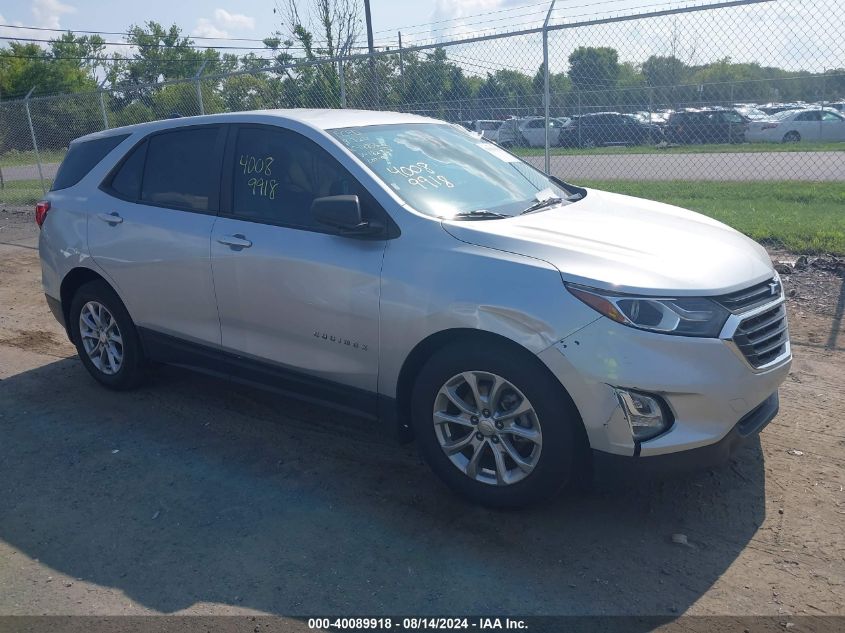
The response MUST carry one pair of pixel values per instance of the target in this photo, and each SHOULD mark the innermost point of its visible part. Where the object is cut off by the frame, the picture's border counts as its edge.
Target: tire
(588, 143)
(553, 415)
(118, 371)
(792, 137)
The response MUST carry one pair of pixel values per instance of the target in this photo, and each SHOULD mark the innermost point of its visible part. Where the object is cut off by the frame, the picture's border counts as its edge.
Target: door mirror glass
(339, 212)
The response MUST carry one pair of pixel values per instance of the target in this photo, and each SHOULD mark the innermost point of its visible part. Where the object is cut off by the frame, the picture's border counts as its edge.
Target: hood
(628, 244)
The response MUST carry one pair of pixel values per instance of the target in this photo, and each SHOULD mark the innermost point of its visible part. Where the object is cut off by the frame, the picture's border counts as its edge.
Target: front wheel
(791, 137)
(105, 337)
(496, 431)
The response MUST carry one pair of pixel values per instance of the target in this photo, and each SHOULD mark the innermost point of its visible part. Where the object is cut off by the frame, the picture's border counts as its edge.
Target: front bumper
(610, 467)
(707, 385)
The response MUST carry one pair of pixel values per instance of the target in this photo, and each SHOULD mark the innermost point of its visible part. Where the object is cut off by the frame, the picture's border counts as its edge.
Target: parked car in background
(521, 329)
(488, 128)
(792, 126)
(751, 113)
(774, 108)
(530, 132)
(609, 128)
(839, 106)
(706, 125)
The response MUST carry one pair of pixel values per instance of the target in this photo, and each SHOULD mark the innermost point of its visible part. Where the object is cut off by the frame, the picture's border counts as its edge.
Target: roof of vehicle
(322, 119)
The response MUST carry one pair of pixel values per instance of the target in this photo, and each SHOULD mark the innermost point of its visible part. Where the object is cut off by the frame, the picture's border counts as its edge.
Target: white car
(488, 128)
(530, 132)
(520, 328)
(792, 126)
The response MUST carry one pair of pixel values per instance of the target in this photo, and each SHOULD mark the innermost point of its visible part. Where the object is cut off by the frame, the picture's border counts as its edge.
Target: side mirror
(344, 214)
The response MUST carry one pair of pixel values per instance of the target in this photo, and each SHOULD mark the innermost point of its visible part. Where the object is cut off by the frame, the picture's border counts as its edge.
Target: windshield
(442, 171)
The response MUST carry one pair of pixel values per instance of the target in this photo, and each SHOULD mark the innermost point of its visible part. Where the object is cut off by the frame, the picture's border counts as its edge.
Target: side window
(732, 117)
(808, 116)
(82, 157)
(277, 174)
(181, 168)
(830, 116)
(127, 181)
(536, 123)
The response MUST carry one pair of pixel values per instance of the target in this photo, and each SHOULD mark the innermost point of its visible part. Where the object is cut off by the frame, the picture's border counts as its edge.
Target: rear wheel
(105, 337)
(791, 137)
(497, 431)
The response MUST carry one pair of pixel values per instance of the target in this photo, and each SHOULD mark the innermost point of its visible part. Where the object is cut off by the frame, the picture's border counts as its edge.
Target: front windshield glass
(442, 171)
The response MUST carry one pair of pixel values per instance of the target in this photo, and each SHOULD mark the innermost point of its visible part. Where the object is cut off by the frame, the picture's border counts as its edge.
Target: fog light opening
(647, 416)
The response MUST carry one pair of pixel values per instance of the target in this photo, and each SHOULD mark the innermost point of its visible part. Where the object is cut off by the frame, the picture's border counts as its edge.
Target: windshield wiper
(478, 214)
(550, 202)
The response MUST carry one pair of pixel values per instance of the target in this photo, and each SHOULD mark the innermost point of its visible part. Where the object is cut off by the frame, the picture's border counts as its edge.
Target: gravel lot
(192, 495)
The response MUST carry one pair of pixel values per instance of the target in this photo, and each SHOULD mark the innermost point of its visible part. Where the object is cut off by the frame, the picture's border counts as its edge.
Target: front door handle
(236, 242)
(112, 218)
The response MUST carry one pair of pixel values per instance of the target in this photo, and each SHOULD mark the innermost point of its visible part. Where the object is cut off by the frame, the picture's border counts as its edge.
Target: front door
(290, 292)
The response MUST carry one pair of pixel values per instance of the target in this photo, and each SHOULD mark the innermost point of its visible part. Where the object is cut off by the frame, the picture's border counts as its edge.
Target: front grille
(748, 298)
(762, 338)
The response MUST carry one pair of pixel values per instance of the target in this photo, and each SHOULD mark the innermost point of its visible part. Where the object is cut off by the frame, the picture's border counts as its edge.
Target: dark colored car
(609, 128)
(710, 125)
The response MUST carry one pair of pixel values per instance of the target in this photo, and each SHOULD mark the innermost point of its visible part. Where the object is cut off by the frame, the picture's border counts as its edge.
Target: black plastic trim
(56, 308)
(165, 348)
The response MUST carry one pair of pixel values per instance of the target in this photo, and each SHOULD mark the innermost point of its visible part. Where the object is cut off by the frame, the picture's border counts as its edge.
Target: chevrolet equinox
(519, 328)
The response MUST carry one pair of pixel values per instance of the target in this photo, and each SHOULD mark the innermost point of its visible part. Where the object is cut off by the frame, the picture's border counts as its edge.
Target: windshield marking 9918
(448, 173)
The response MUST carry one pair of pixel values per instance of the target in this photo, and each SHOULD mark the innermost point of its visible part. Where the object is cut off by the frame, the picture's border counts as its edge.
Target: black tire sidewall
(131, 372)
(555, 411)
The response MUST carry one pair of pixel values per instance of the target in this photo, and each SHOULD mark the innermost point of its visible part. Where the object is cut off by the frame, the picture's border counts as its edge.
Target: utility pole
(369, 19)
(401, 62)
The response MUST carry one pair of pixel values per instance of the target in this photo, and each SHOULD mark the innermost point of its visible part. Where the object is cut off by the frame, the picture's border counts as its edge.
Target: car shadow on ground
(194, 490)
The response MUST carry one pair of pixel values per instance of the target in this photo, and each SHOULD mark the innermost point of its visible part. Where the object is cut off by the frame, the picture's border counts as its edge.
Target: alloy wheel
(101, 337)
(487, 428)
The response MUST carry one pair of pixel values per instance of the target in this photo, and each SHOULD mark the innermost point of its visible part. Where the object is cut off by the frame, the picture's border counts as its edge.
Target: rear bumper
(56, 308)
(607, 466)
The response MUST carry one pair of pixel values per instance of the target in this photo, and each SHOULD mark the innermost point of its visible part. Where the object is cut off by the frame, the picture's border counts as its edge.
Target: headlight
(685, 316)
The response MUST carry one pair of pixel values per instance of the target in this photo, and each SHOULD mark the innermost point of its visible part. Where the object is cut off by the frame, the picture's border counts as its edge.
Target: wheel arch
(424, 350)
(75, 279)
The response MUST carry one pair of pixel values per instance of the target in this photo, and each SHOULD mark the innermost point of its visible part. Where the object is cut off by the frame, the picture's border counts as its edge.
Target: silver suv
(521, 329)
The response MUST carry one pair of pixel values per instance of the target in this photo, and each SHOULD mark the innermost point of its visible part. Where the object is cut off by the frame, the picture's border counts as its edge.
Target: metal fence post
(401, 61)
(103, 110)
(199, 86)
(546, 71)
(34, 142)
(341, 73)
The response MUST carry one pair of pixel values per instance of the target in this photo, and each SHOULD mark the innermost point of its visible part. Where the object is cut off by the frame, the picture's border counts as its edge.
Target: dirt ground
(192, 495)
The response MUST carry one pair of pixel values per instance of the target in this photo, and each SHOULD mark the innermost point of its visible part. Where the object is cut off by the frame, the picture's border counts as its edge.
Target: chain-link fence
(736, 91)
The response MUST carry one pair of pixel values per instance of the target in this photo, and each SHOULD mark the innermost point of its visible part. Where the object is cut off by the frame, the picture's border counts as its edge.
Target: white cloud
(233, 20)
(11, 31)
(206, 28)
(222, 22)
(48, 13)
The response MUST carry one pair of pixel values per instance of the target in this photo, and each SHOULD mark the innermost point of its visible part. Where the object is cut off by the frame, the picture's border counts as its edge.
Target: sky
(244, 18)
(794, 34)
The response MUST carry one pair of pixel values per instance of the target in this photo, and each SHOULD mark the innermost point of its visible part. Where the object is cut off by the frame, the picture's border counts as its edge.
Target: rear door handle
(236, 242)
(111, 218)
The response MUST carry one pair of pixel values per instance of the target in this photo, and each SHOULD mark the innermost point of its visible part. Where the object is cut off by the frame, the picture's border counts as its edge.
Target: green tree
(593, 69)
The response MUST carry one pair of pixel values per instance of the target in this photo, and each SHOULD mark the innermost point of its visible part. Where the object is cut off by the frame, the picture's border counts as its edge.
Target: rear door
(151, 231)
(291, 292)
(832, 127)
(808, 125)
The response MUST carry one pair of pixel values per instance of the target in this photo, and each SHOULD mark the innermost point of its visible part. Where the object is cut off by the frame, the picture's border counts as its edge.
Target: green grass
(802, 217)
(15, 158)
(21, 193)
(684, 149)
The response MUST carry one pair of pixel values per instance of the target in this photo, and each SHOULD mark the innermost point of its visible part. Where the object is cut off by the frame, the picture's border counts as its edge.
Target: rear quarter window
(82, 157)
